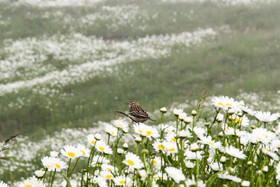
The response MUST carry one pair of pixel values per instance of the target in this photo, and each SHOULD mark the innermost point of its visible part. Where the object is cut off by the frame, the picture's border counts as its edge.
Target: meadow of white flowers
(236, 145)
(225, 141)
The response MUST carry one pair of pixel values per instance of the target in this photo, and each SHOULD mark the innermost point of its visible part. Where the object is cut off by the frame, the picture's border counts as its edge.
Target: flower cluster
(187, 152)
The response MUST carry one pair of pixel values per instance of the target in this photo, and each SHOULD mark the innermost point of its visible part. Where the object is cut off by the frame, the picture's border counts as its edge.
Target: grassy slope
(245, 59)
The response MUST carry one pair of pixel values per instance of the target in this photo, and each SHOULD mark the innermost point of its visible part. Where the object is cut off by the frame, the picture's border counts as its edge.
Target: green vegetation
(245, 58)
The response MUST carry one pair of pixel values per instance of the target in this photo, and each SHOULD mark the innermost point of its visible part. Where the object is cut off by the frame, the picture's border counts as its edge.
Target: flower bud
(97, 136)
(249, 163)
(220, 118)
(230, 111)
(194, 147)
(207, 124)
(163, 110)
(145, 151)
(194, 113)
(120, 151)
(245, 183)
(39, 173)
(223, 159)
(189, 164)
(265, 169)
(125, 146)
(183, 134)
(138, 139)
(54, 154)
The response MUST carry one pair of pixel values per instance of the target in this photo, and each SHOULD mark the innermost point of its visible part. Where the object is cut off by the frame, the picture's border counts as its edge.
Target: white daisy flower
(73, 183)
(122, 181)
(100, 181)
(107, 175)
(192, 182)
(85, 151)
(229, 177)
(101, 146)
(177, 112)
(133, 161)
(91, 139)
(275, 144)
(71, 152)
(99, 160)
(107, 167)
(2, 184)
(193, 155)
(159, 176)
(53, 164)
(157, 162)
(139, 128)
(160, 146)
(243, 121)
(200, 132)
(54, 154)
(216, 166)
(120, 124)
(170, 137)
(32, 181)
(268, 152)
(182, 116)
(111, 130)
(232, 151)
(208, 141)
(145, 130)
(184, 134)
(225, 103)
(48, 163)
(277, 167)
(176, 174)
(171, 148)
(167, 128)
(266, 116)
(263, 135)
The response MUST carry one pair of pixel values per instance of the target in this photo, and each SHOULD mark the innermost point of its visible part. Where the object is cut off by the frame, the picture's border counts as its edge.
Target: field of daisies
(206, 70)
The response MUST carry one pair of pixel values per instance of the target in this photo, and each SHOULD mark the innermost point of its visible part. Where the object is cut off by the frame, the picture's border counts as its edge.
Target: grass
(246, 58)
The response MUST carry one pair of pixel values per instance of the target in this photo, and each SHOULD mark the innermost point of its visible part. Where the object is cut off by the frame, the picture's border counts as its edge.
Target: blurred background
(72, 63)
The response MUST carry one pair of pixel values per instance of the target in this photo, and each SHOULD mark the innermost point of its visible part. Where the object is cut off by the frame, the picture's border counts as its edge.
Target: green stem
(74, 166)
(53, 177)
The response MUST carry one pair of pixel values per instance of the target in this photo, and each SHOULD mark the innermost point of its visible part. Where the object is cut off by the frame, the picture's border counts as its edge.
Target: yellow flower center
(109, 176)
(122, 182)
(27, 185)
(228, 104)
(130, 162)
(211, 143)
(58, 166)
(172, 149)
(113, 133)
(266, 136)
(71, 154)
(84, 153)
(101, 148)
(109, 169)
(161, 147)
(92, 142)
(48, 166)
(221, 104)
(140, 131)
(155, 162)
(173, 139)
(149, 133)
